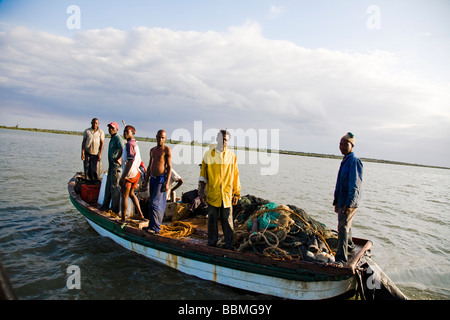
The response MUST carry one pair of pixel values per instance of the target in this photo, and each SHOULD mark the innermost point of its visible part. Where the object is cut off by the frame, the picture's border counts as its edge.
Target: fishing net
(281, 231)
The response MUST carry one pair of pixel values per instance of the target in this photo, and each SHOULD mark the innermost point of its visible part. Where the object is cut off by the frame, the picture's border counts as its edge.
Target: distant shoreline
(294, 153)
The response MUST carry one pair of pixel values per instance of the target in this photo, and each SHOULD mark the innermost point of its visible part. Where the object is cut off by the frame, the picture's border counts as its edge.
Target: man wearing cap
(91, 149)
(112, 191)
(347, 196)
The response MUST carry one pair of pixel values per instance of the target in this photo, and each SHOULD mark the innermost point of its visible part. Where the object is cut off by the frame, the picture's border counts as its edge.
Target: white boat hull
(278, 287)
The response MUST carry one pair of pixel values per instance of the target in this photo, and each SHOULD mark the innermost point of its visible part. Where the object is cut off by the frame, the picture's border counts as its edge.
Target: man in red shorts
(131, 160)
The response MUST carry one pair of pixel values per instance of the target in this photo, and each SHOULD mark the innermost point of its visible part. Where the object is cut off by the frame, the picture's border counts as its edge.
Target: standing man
(112, 191)
(220, 175)
(347, 196)
(131, 160)
(158, 172)
(91, 149)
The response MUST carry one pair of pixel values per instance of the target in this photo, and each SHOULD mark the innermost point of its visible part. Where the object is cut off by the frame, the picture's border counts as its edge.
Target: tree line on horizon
(287, 152)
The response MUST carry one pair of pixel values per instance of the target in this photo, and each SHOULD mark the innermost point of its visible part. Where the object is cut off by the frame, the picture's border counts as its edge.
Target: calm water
(405, 213)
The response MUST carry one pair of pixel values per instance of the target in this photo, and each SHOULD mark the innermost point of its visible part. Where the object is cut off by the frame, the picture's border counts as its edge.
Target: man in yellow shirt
(220, 176)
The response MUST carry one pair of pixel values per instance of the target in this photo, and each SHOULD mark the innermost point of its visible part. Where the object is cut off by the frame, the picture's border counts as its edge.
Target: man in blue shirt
(347, 196)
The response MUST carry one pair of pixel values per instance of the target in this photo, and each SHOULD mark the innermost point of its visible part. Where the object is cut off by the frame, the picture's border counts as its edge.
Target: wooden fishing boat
(244, 270)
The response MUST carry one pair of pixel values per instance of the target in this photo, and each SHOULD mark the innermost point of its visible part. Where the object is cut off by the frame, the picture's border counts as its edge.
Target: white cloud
(276, 11)
(164, 78)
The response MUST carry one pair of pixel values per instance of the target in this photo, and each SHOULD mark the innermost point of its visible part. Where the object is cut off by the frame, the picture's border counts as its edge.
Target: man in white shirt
(131, 160)
(174, 178)
(91, 149)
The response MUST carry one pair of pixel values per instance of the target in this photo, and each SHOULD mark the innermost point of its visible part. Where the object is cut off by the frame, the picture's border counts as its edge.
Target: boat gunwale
(298, 270)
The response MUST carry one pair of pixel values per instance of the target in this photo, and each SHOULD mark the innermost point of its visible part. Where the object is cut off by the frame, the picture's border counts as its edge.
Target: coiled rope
(273, 238)
(176, 229)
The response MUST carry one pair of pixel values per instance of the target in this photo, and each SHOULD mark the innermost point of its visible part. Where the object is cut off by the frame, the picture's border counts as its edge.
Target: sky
(310, 70)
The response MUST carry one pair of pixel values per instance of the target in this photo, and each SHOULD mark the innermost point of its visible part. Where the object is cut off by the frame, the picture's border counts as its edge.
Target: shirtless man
(158, 172)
